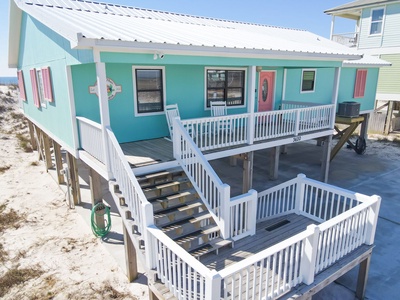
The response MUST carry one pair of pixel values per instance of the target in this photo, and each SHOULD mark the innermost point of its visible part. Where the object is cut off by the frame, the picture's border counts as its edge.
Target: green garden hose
(100, 210)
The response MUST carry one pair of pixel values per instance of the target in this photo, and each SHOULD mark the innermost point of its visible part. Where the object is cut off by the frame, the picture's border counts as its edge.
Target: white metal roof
(367, 61)
(90, 24)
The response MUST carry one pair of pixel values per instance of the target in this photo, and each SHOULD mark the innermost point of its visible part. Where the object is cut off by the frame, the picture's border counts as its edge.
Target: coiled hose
(100, 210)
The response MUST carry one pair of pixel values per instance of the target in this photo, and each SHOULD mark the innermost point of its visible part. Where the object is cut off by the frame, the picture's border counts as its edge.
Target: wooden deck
(148, 152)
(268, 234)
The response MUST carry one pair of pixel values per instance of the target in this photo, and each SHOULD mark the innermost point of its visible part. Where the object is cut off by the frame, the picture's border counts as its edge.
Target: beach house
(147, 98)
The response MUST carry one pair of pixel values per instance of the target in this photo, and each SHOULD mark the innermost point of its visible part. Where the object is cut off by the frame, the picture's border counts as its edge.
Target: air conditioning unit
(349, 109)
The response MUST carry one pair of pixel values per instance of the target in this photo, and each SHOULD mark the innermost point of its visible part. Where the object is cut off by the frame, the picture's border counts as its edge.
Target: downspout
(103, 103)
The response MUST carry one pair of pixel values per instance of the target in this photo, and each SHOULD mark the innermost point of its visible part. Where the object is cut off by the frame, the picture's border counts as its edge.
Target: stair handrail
(141, 209)
(214, 193)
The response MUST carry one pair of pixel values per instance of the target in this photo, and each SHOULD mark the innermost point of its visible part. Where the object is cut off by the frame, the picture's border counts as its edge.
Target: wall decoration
(112, 89)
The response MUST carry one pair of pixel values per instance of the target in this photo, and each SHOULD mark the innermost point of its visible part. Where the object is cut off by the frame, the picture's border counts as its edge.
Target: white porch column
(332, 27)
(335, 93)
(103, 103)
(251, 96)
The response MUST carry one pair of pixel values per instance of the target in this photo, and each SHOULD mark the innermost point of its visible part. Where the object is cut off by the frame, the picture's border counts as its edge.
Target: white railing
(231, 130)
(185, 276)
(278, 200)
(288, 104)
(242, 215)
(347, 39)
(346, 232)
(214, 193)
(270, 273)
(322, 202)
(91, 138)
(127, 182)
(217, 132)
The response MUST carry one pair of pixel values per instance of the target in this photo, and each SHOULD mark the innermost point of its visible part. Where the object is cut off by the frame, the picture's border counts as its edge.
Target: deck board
(148, 152)
(258, 242)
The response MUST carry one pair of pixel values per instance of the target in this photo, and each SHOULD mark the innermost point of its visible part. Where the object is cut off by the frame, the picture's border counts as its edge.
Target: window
(308, 81)
(376, 21)
(225, 85)
(41, 86)
(359, 87)
(149, 85)
(21, 85)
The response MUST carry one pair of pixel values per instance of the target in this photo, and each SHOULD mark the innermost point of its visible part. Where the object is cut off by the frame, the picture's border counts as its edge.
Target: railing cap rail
(89, 122)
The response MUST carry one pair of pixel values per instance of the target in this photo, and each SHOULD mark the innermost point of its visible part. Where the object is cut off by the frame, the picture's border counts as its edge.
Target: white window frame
(371, 22)
(40, 87)
(135, 100)
(230, 69)
(301, 82)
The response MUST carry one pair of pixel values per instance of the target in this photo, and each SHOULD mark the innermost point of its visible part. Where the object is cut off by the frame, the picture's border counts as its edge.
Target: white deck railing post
(177, 152)
(298, 208)
(372, 220)
(310, 250)
(148, 220)
(251, 128)
(213, 286)
(297, 122)
(226, 211)
(252, 217)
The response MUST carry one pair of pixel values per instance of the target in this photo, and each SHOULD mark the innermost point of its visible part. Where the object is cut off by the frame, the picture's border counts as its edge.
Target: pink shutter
(35, 90)
(48, 93)
(21, 85)
(361, 80)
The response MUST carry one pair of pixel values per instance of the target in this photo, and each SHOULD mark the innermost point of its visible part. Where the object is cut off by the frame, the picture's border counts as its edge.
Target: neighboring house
(376, 33)
(95, 79)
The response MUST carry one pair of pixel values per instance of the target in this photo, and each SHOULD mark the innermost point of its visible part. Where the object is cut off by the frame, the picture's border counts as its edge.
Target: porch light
(258, 68)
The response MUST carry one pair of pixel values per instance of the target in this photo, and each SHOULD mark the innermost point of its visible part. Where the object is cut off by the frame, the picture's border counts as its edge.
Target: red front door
(266, 91)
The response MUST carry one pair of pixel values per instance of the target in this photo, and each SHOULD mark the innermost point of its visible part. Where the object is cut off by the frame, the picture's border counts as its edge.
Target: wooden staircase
(180, 213)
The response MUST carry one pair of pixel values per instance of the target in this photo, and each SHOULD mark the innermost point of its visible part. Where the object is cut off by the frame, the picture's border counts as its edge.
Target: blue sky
(301, 14)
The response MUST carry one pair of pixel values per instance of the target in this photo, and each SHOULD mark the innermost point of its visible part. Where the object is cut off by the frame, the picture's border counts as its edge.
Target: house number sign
(112, 89)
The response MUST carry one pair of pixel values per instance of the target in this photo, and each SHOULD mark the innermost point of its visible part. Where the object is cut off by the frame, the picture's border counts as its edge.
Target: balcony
(347, 39)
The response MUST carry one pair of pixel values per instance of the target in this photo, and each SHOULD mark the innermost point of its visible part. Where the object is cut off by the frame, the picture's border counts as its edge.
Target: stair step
(204, 215)
(213, 245)
(179, 208)
(195, 239)
(161, 176)
(164, 188)
(173, 198)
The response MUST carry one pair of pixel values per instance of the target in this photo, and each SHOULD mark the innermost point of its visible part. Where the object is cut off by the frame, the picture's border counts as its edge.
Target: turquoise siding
(390, 36)
(347, 83)
(322, 90)
(41, 47)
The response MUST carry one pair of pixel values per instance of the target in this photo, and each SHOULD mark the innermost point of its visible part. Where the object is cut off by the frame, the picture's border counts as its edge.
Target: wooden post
(248, 159)
(233, 161)
(326, 158)
(364, 127)
(362, 278)
(32, 135)
(388, 121)
(39, 142)
(74, 177)
(47, 152)
(274, 162)
(58, 160)
(96, 195)
(130, 256)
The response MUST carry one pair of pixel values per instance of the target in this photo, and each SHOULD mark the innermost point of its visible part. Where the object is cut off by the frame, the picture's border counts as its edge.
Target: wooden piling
(32, 135)
(74, 177)
(274, 162)
(97, 196)
(130, 256)
(58, 162)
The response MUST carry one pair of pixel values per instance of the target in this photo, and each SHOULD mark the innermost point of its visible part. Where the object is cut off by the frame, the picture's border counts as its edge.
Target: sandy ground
(47, 251)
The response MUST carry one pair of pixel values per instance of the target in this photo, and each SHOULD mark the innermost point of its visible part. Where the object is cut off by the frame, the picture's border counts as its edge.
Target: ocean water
(8, 80)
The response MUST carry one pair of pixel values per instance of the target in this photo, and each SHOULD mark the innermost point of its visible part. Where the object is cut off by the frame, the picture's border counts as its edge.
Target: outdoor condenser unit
(349, 109)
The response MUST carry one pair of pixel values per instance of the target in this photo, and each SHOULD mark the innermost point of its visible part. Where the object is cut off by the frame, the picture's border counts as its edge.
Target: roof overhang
(367, 61)
(190, 50)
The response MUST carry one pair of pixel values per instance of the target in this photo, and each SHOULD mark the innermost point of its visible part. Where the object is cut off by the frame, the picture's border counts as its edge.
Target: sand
(51, 241)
